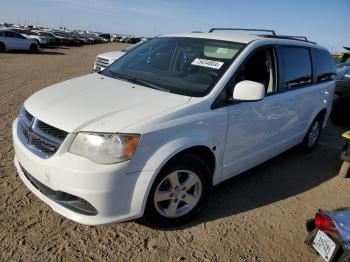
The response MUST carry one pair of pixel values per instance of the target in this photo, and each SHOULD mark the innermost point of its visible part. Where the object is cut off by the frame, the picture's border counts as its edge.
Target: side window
(324, 64)
(8, 34)
(297, 68)
(17, 35)
(260, 67)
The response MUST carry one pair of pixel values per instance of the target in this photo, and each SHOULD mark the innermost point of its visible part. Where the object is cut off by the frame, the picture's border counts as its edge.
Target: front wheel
(2, 47)
(178, 192)
(33, 48)
(313, 134)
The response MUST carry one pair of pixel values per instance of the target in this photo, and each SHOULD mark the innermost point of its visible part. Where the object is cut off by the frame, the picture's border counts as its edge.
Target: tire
(179, 204)
(33, 48)
(340, 111)
(2, 47)
(312, 135)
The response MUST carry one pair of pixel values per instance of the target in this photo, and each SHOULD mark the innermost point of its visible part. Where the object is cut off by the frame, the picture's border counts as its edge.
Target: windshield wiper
(138, 81)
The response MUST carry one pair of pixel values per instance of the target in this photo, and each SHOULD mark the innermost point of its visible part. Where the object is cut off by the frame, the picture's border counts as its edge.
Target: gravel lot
(257, 216)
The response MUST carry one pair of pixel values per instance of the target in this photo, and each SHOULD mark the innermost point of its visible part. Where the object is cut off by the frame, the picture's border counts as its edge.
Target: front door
(256, 129)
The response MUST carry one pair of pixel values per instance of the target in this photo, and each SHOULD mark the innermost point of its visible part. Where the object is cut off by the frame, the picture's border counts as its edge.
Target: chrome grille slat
(102, 62)
(42, 139)
(26, 117)
(54, 132)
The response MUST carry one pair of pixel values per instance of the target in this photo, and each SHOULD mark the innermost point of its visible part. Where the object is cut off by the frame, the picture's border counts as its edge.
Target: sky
(326, 22)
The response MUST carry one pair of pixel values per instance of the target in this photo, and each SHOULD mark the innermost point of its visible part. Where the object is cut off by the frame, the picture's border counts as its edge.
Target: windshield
(44, 33)
(128, 49)
(186, 66)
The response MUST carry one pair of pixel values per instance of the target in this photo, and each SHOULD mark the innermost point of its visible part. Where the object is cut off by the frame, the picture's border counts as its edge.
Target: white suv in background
(181, 113)
(10, 40)
(106, 59)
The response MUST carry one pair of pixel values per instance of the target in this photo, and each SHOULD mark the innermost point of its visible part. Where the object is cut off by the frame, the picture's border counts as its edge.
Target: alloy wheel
(178, 193)
(314, 133)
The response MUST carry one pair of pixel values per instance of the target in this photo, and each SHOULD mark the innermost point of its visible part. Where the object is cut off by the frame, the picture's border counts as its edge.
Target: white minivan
(151, 134)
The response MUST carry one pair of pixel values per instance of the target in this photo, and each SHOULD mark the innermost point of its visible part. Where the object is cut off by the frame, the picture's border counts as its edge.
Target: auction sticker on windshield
(207, 63)
(324, 245)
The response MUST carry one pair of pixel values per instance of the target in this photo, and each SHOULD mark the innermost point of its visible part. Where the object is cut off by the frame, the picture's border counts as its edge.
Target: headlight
(347, 75)
(105, 148)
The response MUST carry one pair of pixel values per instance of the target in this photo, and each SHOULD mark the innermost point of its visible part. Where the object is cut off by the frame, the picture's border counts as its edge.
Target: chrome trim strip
(45, 136)
(27, 144)
(37, 141)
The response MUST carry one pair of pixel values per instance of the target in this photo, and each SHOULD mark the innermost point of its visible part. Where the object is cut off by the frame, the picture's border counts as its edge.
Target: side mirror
(249, 91)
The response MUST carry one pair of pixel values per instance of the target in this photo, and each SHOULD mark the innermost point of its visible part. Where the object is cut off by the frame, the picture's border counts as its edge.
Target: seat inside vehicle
(259, 68)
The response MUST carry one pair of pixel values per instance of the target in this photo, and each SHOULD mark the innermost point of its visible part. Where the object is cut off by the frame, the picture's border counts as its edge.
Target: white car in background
(10, 40)
(150, 135)
(41, 40)
(106, 59)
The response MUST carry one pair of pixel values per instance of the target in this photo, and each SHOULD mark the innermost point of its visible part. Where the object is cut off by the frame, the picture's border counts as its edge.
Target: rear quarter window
(297, 67)
(324, 65)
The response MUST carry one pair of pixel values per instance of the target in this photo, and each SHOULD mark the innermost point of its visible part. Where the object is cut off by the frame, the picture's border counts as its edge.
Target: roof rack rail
(243, 29)
(290, 37)
(295, 36)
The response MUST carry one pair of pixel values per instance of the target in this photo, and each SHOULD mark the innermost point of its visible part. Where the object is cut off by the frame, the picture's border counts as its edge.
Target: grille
(40, 138)
(28, 117)
(102, 62)
(52, 131)
(43, 145)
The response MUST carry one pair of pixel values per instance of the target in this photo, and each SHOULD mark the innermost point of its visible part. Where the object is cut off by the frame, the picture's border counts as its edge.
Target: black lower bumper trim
(69, 201)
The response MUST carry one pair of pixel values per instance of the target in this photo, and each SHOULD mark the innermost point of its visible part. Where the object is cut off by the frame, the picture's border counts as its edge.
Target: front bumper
(116, 195)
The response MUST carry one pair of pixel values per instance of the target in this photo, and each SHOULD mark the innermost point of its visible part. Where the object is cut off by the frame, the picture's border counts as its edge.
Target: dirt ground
(257, 216)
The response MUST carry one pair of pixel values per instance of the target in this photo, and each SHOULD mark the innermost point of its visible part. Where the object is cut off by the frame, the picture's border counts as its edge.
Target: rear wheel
(313, 134)
(2, 47)
(179, 192)
(33, 48)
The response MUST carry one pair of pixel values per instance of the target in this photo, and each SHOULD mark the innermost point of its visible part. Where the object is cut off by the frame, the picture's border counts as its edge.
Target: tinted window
(8, 34)
(297, 70)
(16, 35)
(324, 64)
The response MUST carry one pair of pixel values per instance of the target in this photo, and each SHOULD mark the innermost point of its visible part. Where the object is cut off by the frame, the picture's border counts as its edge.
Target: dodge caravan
(157, 129)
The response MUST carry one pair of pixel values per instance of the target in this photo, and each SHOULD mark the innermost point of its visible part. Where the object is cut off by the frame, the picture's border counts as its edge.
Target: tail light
(325, 223)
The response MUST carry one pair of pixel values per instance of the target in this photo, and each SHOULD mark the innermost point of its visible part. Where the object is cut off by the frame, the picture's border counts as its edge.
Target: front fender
(157, 161)
(164, 140)
(165, 151)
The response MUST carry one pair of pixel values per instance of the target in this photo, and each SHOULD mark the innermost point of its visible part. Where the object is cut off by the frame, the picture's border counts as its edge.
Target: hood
(112, 55)
(99, 103)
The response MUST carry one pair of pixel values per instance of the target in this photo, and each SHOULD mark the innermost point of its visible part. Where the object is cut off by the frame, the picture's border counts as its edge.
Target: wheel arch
(321, 112)
(205, 152)
(201, 151)
(2, 43)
